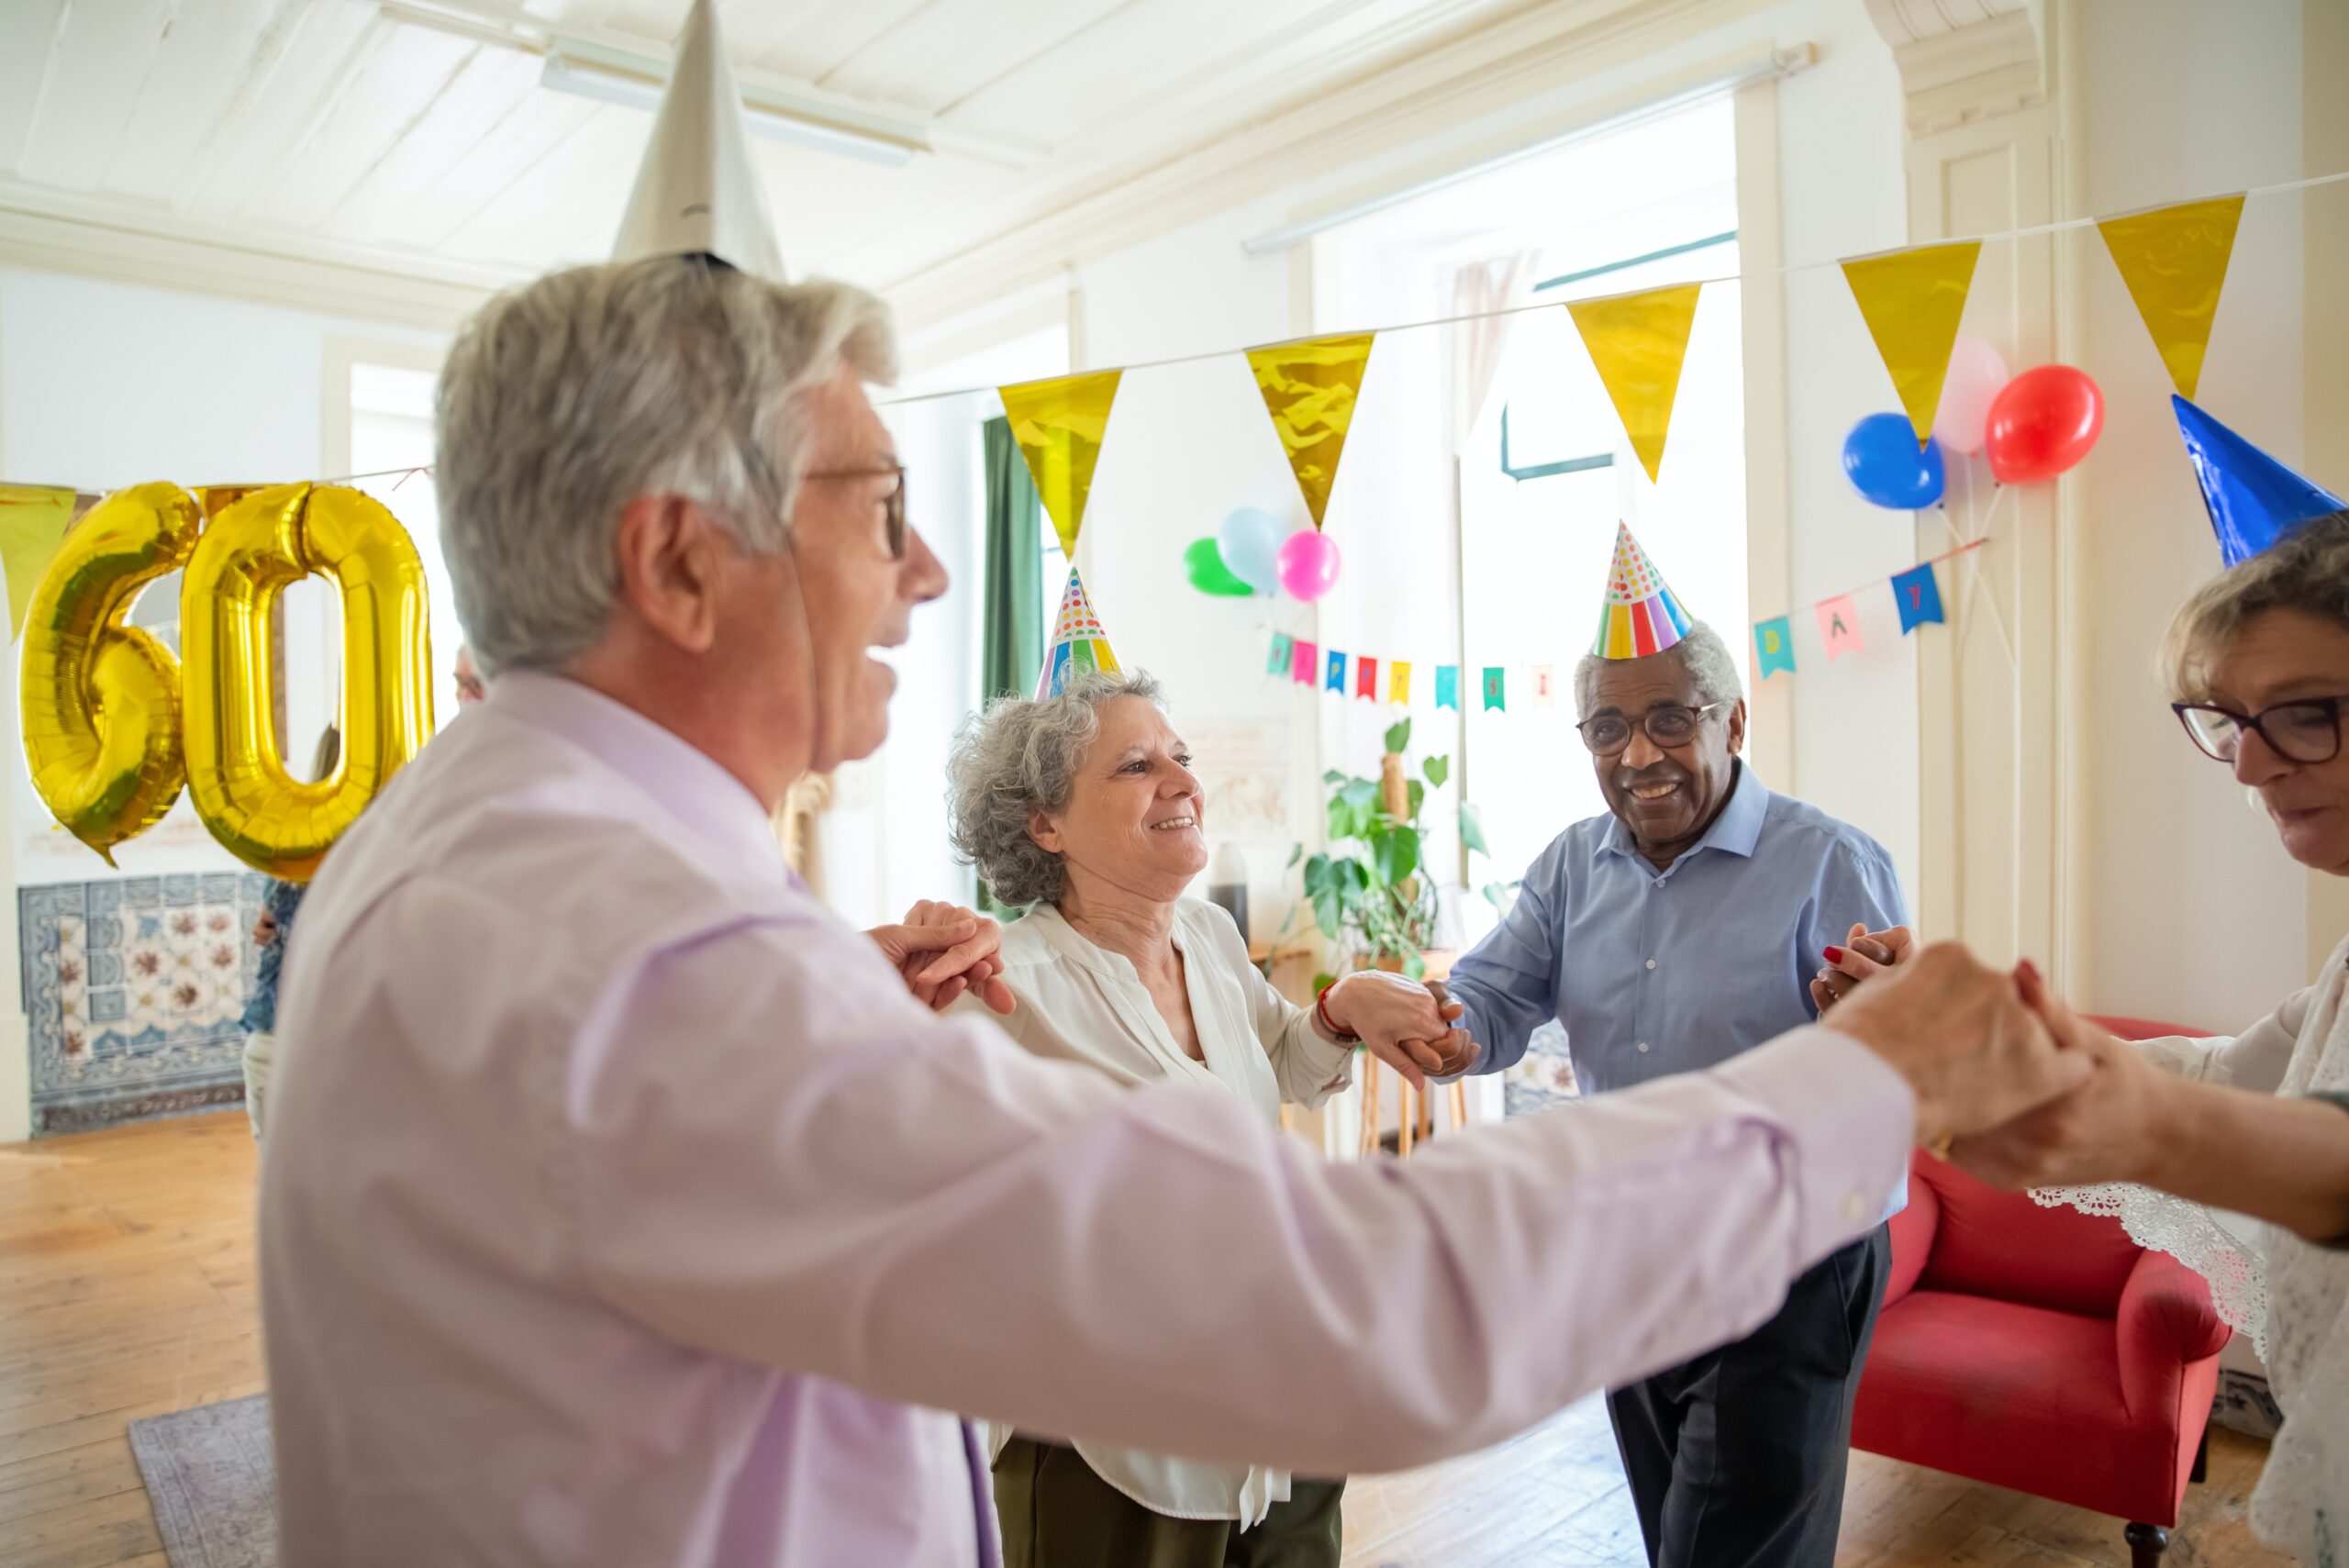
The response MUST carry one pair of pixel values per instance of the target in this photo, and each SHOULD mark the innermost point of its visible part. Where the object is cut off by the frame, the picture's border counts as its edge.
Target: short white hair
(1700, 651)
(567, 398)
(1017, 759)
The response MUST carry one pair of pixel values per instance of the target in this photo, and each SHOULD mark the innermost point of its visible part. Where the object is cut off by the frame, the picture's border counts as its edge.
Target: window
(1544, 472)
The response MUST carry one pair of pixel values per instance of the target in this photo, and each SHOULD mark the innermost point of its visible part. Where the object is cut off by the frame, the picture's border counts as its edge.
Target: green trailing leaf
(1322, 981)
(1415, 966)
(1296, 853)
(1437, 769)
(1333, 776)
(1472, 830)
(1418, 795)
(1399, 735)
(1500, 894)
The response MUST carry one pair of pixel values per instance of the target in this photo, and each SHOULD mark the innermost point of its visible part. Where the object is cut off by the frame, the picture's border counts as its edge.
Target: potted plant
(1367, 890)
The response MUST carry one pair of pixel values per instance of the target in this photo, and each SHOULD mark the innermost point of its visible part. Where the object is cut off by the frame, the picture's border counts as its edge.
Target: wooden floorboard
(127, 1288)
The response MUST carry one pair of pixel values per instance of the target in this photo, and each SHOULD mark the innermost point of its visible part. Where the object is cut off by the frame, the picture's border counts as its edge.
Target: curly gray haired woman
(1085, 807)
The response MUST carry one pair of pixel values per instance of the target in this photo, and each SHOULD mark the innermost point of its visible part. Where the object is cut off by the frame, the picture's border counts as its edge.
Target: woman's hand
(264, 928)
(943, 949)
(1403, 1023)
(1863, 953)
(2114, 1127)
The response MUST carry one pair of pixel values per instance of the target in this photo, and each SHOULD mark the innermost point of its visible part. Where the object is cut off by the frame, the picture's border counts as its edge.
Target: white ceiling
(414, 137)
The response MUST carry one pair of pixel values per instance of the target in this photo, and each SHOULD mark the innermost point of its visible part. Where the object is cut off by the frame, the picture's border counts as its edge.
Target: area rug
(212, 1479)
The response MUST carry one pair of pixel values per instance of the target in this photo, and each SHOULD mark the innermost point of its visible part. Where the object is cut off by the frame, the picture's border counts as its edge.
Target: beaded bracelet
(1321, 1011)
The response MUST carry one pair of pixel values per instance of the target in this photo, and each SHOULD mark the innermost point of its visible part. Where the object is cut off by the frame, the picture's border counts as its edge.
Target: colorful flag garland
(1916, 593)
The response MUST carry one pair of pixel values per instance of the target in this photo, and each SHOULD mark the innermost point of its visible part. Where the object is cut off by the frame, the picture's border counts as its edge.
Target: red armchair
(2041, 1350)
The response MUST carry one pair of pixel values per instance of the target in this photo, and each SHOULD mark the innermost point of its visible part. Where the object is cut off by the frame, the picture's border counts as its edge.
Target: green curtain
(1011, 637)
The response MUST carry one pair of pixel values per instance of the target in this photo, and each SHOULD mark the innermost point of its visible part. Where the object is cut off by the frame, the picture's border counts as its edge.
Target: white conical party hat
(697, 192)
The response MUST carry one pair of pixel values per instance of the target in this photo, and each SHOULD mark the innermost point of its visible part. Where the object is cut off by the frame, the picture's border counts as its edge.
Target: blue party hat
(2254, 500)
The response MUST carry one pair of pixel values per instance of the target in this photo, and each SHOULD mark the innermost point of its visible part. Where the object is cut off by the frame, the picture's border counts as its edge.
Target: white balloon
(1977, 376)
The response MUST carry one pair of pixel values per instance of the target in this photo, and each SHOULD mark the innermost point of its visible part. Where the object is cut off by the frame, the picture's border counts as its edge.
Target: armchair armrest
(2165, 1321)
(1913, 1229)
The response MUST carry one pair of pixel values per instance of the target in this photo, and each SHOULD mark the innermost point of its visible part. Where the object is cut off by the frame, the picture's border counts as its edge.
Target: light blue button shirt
(1656, 972)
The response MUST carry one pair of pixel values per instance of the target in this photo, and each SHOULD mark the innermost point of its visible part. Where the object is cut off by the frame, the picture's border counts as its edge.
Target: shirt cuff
(1851, 1118)
(1328, 1062)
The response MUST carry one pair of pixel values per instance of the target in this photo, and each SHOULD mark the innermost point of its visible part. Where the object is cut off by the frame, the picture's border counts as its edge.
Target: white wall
(2196, 914)
(105, 385)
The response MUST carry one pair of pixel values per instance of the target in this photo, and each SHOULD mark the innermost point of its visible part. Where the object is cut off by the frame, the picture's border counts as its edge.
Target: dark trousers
(1056, 1513)
(1736, 1460)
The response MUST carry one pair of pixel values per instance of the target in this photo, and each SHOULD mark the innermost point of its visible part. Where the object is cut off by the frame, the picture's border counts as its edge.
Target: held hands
(943, 949)
(1405, 1024)
(2113, 1128)
(1864, 953)
(1973, 1051)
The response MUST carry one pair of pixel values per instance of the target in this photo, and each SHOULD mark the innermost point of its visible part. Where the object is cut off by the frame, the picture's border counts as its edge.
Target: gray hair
(1017, 759)
(2307, 571)
(567, 398)
(1700, 651)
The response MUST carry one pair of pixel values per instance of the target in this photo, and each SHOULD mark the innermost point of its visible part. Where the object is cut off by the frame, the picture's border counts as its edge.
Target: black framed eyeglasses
(2308, 730)
(893, 504)
(1670, 726)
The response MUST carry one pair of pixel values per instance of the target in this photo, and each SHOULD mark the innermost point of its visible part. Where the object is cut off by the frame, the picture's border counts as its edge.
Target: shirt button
(1643, 1048)
(1659, 882)
(1852, 1205)
(1650, 963)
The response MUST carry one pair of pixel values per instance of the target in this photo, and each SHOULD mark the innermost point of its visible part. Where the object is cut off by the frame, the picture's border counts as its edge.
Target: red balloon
(2043, 422)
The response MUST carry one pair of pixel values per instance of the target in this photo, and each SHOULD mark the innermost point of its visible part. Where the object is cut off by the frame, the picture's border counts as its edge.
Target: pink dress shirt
(619, 1207)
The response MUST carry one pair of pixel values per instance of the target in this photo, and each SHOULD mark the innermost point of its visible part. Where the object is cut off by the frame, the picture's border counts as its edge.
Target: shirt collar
(711, 803)
(1737, 829)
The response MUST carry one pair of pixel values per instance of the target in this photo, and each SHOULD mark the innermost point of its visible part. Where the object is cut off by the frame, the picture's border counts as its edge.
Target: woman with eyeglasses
(2259, 663)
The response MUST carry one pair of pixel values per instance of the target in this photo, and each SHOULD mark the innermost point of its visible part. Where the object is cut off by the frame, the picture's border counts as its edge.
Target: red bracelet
(1321, 1011)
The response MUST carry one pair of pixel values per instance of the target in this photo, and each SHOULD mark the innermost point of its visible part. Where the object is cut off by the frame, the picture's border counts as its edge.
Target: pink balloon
(1308, 563)
(1977, 376)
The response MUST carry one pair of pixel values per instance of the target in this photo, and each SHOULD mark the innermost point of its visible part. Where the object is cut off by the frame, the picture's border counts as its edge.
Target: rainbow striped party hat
(1641, 615)
(1078, 642)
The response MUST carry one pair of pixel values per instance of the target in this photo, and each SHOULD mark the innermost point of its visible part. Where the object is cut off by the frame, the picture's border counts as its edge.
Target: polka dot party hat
(1078, 642)
(1641, 615)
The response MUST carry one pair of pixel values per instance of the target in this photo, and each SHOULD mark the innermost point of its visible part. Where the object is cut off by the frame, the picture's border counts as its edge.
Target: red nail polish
(1835, 955)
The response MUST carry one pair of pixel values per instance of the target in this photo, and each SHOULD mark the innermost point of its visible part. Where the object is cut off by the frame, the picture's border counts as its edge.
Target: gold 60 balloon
(113, 726)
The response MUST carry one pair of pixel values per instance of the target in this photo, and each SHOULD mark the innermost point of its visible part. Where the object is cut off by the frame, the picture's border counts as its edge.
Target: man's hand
(943, 949)
(1864, 953)
(1974, 1052)
(2111, 1128)
(1403, 1023)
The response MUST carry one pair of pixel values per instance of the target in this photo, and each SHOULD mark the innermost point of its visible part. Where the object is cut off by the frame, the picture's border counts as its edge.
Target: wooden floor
(126, 1289)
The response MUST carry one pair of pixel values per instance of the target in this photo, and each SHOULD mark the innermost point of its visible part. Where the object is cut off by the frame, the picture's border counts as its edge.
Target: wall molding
(48, 231)
(1539, 50)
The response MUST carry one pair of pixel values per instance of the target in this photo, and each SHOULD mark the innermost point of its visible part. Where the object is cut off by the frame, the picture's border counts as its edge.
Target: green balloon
(1209, 575)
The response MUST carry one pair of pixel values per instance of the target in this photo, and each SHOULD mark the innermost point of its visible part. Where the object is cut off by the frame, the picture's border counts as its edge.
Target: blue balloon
(1884, 465)
(2252, 499)
(1250, 543)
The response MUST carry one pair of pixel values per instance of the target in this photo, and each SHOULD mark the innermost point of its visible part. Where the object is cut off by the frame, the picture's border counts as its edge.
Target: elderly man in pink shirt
(630, 1209)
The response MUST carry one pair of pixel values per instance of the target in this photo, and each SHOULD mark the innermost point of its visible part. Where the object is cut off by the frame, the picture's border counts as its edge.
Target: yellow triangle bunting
(1911, 301)
(1638, 341)
(1058, 425)
(2173, 260)
(33, 520)
(1309, 390)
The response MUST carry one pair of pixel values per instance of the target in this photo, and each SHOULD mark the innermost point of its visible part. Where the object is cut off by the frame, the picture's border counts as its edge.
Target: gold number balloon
(100, 699)
(235, 766)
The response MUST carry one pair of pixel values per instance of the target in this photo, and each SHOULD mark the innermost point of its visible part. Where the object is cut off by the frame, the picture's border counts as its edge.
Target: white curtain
(1477, 345)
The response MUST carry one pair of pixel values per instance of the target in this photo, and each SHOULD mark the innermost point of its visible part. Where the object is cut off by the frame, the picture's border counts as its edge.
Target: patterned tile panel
(133, 988)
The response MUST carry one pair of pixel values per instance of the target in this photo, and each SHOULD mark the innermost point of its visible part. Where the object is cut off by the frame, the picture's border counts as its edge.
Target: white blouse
(1082, 1003)
(2290, 1297)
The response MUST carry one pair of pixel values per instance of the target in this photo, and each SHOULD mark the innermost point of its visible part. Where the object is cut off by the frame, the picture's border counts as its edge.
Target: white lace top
(2290, 1297)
